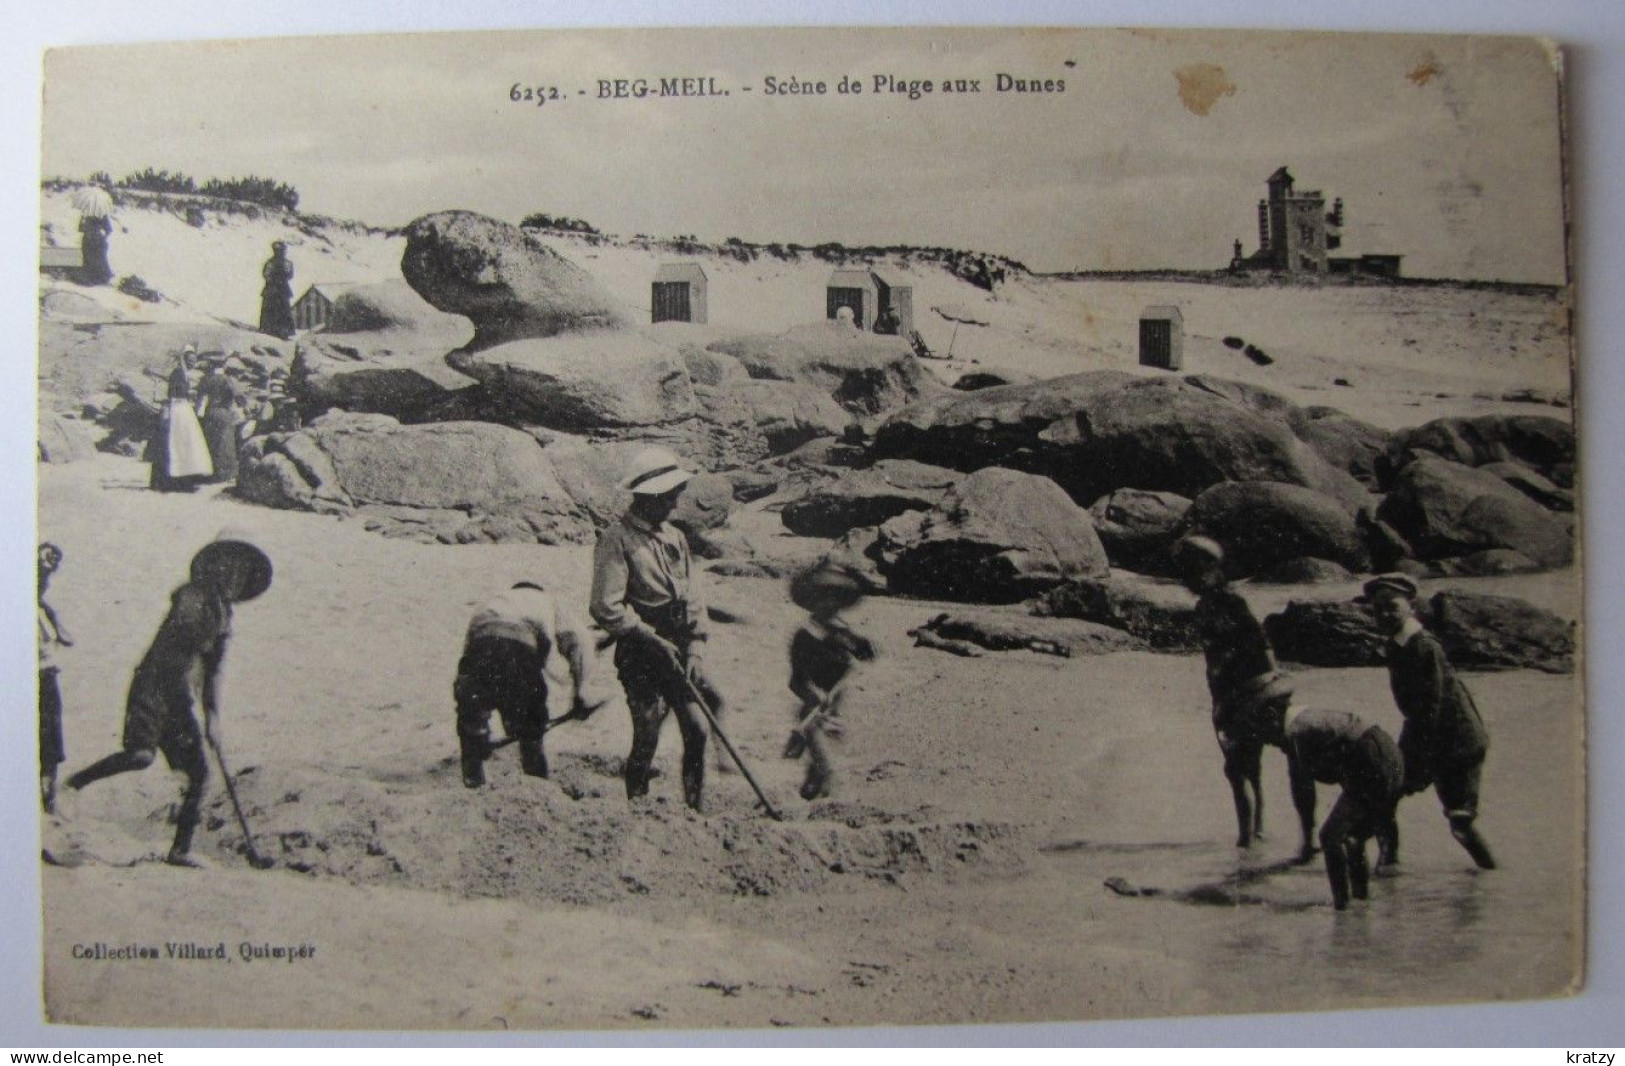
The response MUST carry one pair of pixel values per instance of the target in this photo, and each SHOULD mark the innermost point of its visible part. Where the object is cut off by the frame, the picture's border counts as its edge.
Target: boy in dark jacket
(1444, 741)
(822, 654)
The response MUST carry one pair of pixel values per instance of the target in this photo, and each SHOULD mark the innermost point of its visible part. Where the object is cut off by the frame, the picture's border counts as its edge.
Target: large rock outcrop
(1540, 442)
(1265, 523)
(1161, 614)
(865, 373)
(451, 481)
(1500, 632)
(510, 285)
(582, 381)
(419, 388)
(1097, 432)
(1137, 527)
(591, 472)
(1446, 509)
(868, 497)
(1478, 631)
(998, 536)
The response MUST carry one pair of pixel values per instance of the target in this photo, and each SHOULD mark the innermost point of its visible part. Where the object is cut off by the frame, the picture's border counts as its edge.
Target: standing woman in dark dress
(276, 298)
(95, 204)
(219, 403)
(94, 231)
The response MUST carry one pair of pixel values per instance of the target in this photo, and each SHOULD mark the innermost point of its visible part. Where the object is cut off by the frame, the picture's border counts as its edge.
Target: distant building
(877, 306)
(1296, 235)
(1162, 337)
(679, 294)
(61, 262)
(314, 308)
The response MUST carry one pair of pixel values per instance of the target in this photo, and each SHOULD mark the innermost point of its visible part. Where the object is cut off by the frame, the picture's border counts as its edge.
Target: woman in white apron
(180, 455)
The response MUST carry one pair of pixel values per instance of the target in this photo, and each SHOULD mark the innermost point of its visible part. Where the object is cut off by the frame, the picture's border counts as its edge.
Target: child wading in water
(822, 654)
(1443, 740)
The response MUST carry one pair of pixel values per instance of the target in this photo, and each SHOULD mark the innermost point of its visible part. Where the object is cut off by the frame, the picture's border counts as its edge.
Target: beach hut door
(671, 302)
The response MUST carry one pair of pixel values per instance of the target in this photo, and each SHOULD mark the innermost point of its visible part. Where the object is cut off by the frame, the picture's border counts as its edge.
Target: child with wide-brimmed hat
(182, 670)
(823, 653)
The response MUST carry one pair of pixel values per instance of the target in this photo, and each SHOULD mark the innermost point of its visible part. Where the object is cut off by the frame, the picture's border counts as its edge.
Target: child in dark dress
(823, 653)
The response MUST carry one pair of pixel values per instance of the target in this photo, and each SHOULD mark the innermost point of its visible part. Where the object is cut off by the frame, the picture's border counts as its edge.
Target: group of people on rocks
(1442, 744)
(199, 424)
(530, 659)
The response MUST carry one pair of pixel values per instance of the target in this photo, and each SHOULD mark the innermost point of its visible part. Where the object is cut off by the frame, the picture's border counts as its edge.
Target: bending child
(182, 670)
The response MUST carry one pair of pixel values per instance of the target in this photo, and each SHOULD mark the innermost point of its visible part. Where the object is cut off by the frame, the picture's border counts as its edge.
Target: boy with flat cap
(530, 660)
(644, 596)
(181, 670)
(1444, 741)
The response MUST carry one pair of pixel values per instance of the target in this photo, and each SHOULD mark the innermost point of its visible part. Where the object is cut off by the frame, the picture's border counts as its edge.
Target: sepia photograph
(721, 528)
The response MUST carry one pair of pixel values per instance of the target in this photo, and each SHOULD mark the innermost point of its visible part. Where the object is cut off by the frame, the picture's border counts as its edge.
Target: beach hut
(314, 309)
(679, 294)
(1162, 337)
(877, 306)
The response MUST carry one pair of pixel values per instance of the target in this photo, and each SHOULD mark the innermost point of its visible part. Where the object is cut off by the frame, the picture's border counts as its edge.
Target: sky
(1444, 149)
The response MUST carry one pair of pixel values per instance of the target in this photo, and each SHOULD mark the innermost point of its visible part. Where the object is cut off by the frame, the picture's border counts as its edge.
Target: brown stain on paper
(1201, 85)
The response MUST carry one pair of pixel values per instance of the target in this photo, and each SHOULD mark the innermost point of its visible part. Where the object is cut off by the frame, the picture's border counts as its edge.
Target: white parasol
(93, 201)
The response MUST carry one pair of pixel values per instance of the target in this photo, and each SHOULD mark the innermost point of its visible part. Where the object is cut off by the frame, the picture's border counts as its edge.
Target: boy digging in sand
(181, 670)
(822, 654)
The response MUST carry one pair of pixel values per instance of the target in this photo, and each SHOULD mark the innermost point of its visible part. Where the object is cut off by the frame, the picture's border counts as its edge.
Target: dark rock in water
(1054, 636)
(453, 482)
(584, 381)
(65, 440)
(1446, 509)
(1137, 527)
(1265, 523)
(510, 285)
(1305, 570)
(1161, 614)
(1483, 564)
(1483, 631)
(868, 497)
(1325, 633)
(865, 373)
(1097, 432)
(1537, 488)
(1540, 442)
(998, 536)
